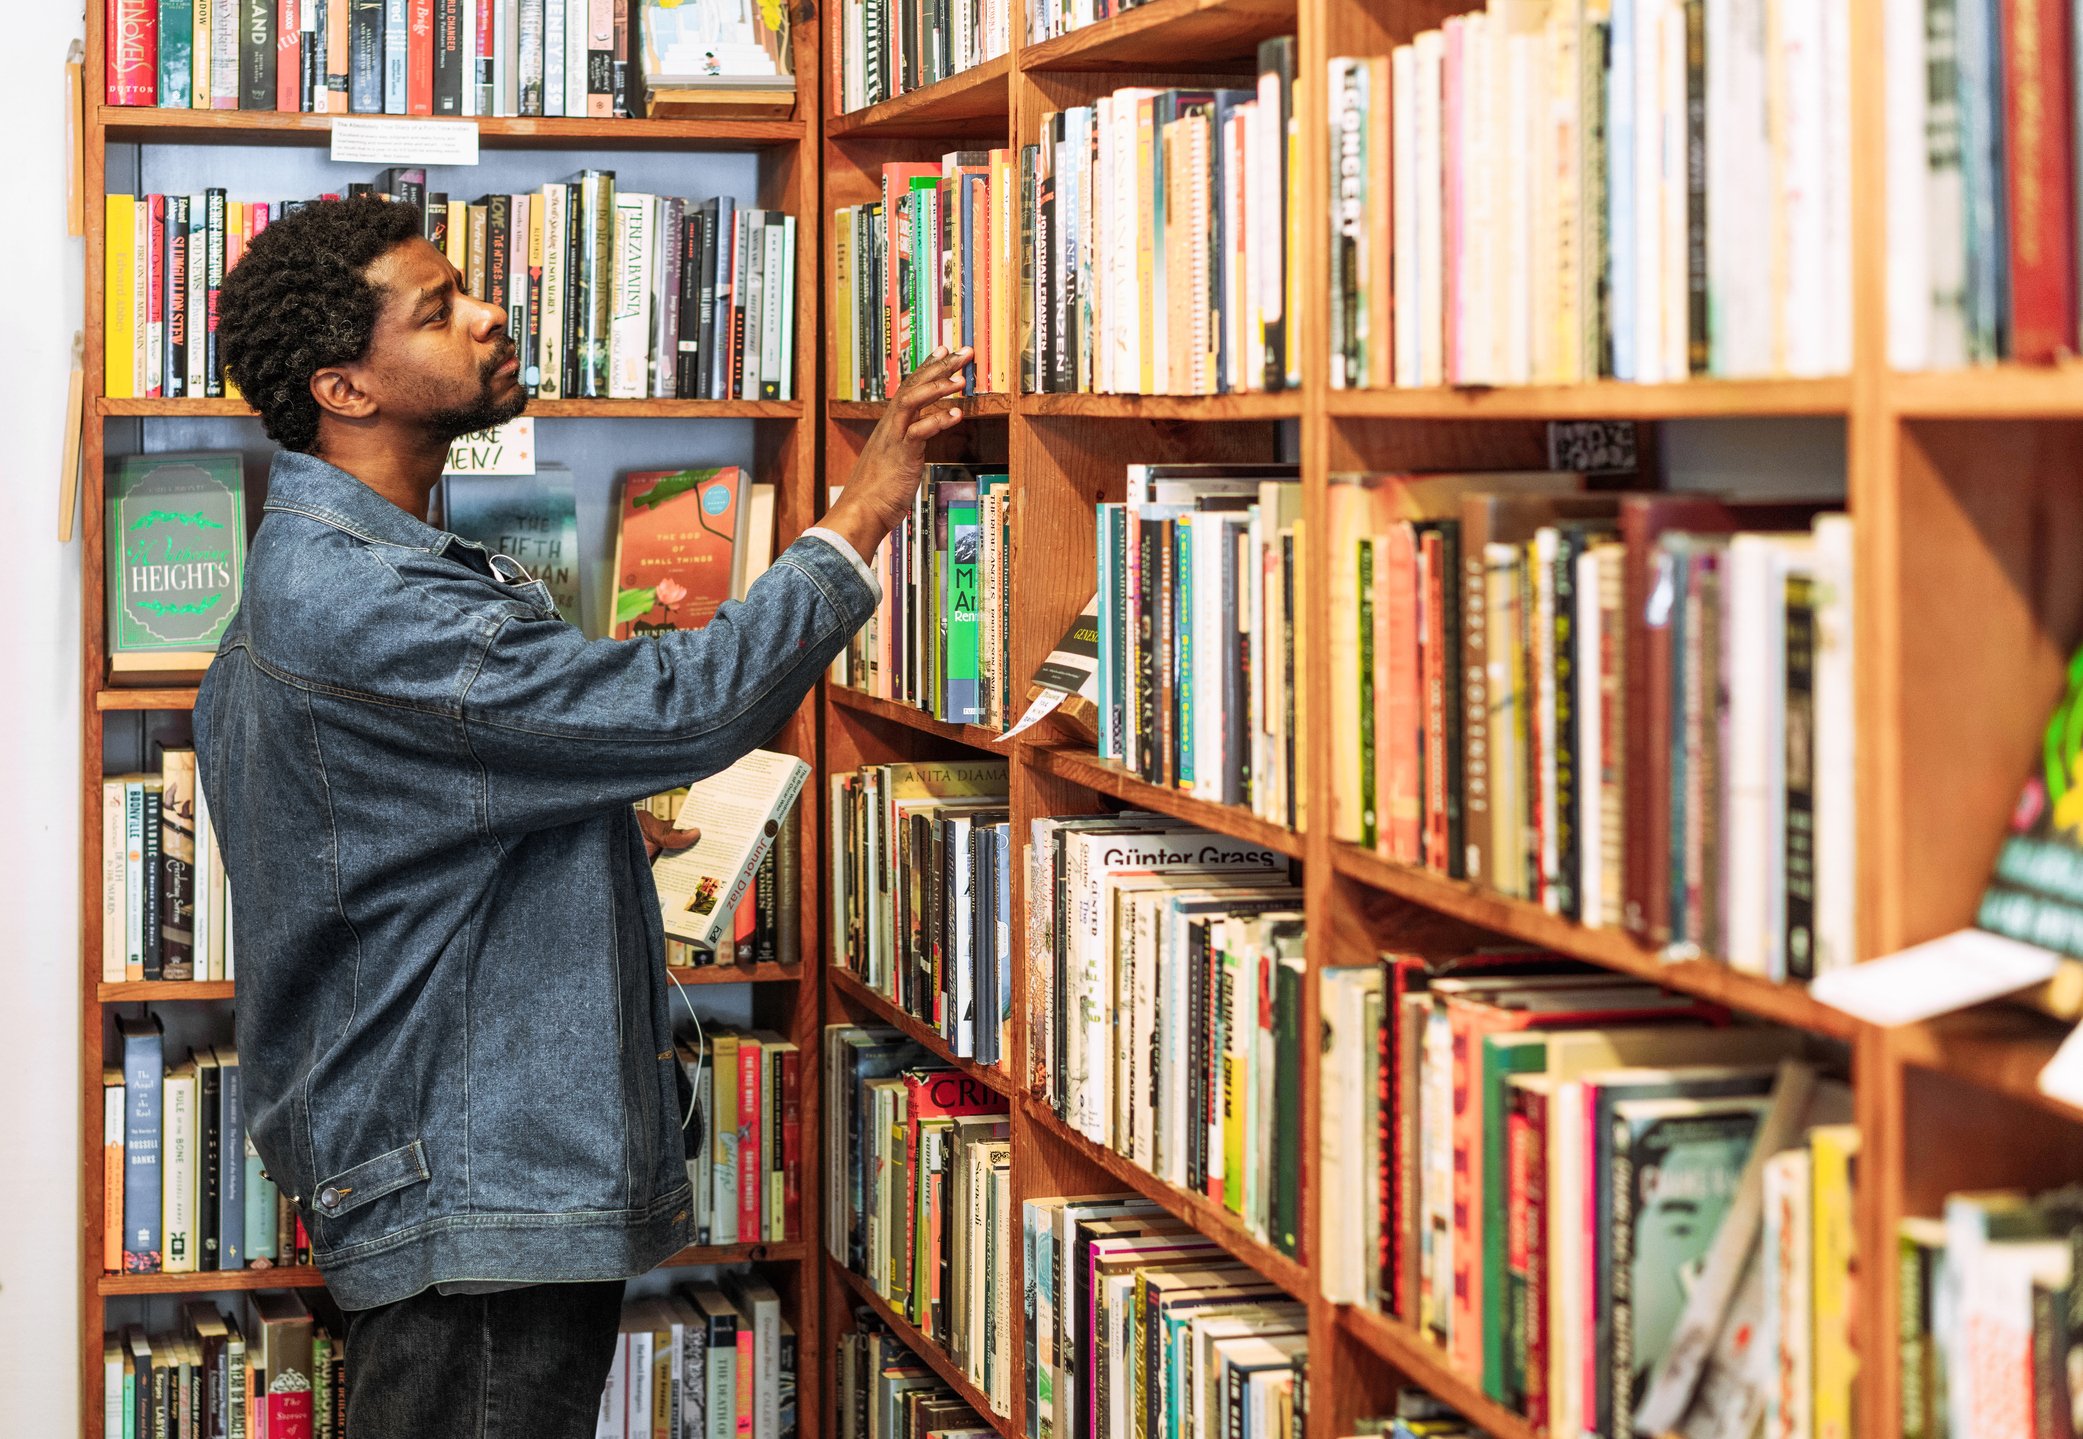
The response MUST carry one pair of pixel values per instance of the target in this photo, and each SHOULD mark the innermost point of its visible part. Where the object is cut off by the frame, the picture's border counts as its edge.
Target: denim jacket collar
(309, 486)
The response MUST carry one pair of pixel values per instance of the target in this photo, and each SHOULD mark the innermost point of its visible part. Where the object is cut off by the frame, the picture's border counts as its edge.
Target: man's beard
(483, 412)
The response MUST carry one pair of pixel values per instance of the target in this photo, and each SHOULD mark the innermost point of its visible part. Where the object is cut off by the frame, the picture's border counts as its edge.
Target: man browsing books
(452, 1005)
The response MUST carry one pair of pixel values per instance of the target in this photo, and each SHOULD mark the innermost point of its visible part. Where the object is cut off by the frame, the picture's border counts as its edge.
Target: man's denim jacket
(452, 1002)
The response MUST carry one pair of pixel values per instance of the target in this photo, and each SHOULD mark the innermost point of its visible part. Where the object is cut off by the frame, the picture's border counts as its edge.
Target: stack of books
(1479, 1123)
(925, 1210)
(1165, 999)
(1637, 191)
(609, 294)
(942, 637)
(1522, 715)
(1988, 1312)
(1136, 1322)
(183, 1190)
(927, 266)
(889, 48)
(1199, 618)
(1982, 115)
(885, 1391)
(922, 894)
(376, 57)
(703, 1362)
(747, 1178)
(1162, 231)
(277, 1372)
(165, 902)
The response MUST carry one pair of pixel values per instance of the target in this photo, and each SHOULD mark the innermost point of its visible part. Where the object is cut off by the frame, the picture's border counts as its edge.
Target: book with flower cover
(677, 548)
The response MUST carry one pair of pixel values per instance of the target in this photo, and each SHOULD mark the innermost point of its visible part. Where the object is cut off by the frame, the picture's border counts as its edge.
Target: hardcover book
(176, 551)
(676, 548)
(533, 519)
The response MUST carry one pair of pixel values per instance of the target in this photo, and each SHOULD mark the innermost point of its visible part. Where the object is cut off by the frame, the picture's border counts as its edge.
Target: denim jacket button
(329, 1198)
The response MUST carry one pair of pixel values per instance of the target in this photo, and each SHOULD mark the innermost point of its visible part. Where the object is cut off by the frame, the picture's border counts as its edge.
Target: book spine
(289, 56)
(446, 82)
(365, 57)
(155, 879)
(231, 1177)
(2038, 175)
(419, 57)
(176, 81)
(257, 54)
(143, 1080)
(132, 38)
(1799, 854)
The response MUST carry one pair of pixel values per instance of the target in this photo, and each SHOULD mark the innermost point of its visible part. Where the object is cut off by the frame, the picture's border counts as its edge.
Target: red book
(419, 58)
(289, 56)
(675, 548)
(791, 1144)
(1432, 582)
(1399, 784)
(2039, 173)
(155, 294)
(133, 52)
(482, 65)
(752, 1173)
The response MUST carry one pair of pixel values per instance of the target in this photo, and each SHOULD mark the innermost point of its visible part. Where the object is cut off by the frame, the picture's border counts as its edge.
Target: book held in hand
(738, 813)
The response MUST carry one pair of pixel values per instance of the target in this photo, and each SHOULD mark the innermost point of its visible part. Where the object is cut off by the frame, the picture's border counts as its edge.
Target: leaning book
(677, 549)
(2035, 894)
(533, 519)
(738, 812)
(176, 550)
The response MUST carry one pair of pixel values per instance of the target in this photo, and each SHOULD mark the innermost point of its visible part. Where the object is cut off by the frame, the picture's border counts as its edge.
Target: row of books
(922, 894)
(929, 265)
(1632, 709)
(1199, 621)
(615, 295)
(374, 57)
(889, 48)
(165, 902)
(1480, 1123)
(942, 637)
(1136, 1324)
(1162, 225)
(1165, 1002)
(1989, 1318)
(768, 927)
(1543, 193)
(274, 1372)
(747, 1177)
(1982, 117)
(182, 1189)
(921, 1203)
(711, 1361)
(884, 1391)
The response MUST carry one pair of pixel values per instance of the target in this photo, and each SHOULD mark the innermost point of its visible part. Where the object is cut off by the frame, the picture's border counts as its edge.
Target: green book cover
(176, 54)
(1503, 1056)
(965, 540)
(176, 550)
(1284, 1203)
(2035, 894)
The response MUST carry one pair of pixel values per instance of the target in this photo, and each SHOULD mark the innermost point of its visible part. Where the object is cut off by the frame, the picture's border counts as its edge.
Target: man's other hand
(660, 835)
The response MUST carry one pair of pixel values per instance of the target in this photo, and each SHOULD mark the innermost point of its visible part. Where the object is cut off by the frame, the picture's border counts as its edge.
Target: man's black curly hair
(300, 300)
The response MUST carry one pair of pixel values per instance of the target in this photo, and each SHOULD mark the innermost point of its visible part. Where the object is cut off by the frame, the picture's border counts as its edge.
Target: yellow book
(847, 385)
(1834, 1149)
(199, 54)
(119, 297)
(1348, 513)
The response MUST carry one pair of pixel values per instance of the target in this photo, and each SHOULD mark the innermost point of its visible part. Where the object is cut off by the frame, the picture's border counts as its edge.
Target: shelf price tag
(367, 140)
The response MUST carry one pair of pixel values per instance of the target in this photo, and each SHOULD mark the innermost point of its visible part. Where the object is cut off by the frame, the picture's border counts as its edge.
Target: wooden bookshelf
(783, 448)
(1969, 602)
(860, 1291)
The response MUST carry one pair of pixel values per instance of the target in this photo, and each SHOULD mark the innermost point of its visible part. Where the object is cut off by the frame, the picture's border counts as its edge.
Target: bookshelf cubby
(769, 162)
(1969, 600)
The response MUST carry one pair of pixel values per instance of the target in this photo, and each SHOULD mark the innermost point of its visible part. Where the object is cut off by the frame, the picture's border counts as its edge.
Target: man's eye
(440, 316)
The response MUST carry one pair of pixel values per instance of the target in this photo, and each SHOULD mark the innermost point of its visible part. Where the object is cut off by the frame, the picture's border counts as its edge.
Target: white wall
(39, 750)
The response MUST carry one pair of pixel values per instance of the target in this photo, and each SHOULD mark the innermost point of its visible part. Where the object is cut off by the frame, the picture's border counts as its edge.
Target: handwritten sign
(370, 141)
(507, 450)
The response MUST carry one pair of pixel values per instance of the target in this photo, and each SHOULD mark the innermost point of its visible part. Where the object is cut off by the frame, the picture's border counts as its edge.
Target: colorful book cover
(176, 553)
(2035, 894)
(964, 540)
(533, 519)
(675, 548)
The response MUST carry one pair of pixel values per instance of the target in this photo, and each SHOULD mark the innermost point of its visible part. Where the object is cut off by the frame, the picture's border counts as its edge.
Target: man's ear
(339, 393)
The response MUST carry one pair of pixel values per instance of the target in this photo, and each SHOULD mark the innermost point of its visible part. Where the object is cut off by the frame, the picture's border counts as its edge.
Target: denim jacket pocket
(371, 1180)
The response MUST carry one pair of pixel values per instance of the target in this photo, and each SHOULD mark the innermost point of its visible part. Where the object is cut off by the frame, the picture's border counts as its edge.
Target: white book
(1754, 611)
(1789, 1305)
(1650, 18)
(152, 231)
(1567, 1293)
(1343, 1263)
(787, 291)
(230, 949)
(1521, 50)
(115, 891)
(1591, 895)
(1837, 186)
(1803, 347)
(198, 290)
(773, 310)
(1674, 248)
(1836, 725)
(466, 46)
(1908, 244)
(1269, 212)
(629, 325)
(142, 348)
(738, 811)
(554, 35)
(1431, 217)
(1436, 1172)
(1546, 541)
(575, 46)
(1210, 719)
(550, 344)
(503, 56)
(636, 1400)
(134, 876)
(180, 1143)
(209, 956)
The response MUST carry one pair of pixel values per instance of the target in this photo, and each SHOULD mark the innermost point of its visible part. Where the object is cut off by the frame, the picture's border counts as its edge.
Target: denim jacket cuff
(845, 550)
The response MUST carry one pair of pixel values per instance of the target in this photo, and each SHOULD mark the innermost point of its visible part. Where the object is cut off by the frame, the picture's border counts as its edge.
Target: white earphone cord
(701, 1055)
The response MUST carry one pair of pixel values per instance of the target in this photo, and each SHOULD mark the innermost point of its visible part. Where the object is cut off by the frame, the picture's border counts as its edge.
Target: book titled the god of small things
(176, 551)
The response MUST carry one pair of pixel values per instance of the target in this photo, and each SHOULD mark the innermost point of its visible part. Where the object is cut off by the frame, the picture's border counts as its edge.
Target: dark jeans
(520, 1364)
